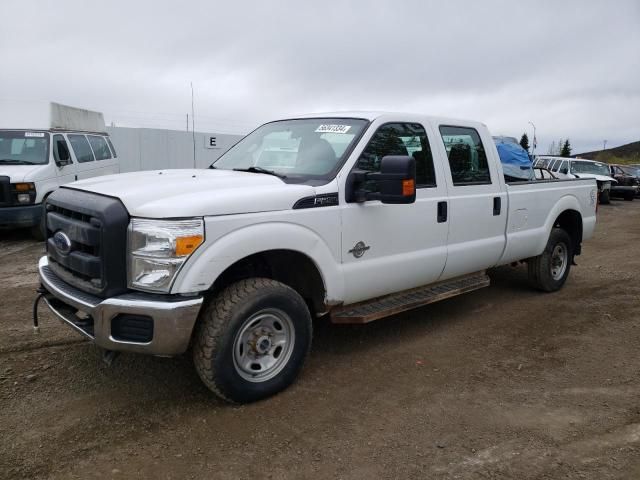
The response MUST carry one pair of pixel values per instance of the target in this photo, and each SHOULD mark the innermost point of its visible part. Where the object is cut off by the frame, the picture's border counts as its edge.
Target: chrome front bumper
(173, 317)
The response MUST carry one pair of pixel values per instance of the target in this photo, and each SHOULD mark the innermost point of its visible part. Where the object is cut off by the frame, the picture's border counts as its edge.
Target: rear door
(477, 202)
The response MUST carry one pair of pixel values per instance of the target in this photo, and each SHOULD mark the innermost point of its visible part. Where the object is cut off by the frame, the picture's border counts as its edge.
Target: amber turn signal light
(24, 187)
(408, 187)
(187, 245)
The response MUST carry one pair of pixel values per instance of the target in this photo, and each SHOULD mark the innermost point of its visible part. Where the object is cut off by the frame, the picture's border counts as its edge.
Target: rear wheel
(629, 197)
(549, 271)
(252, 340)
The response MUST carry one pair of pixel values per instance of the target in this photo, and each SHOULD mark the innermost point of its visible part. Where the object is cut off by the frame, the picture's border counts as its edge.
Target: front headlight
(24, 193)
(158, 249)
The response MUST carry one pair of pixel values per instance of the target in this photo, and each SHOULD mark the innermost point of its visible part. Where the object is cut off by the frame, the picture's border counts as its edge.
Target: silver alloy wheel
(263, 345)
(559, 261)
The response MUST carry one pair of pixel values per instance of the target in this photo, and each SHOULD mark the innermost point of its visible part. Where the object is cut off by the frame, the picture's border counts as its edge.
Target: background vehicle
(43, 146)
(376, 214)
(566, 168)
(628, 179)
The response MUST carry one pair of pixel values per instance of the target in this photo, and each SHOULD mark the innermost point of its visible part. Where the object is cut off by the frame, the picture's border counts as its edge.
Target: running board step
(370, 310)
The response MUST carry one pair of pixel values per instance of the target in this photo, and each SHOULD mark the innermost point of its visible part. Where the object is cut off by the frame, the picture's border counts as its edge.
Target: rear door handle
(442, 212)
(497, 205)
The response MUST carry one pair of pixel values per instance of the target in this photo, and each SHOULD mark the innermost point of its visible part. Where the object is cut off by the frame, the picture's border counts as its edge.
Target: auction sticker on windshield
(34, 134)
(333, 128)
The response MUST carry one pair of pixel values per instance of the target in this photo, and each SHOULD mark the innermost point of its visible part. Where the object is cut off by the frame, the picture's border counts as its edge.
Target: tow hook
(41, 292)
(109, 356)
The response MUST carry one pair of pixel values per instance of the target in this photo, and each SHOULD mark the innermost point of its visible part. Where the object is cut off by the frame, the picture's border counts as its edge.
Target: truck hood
(195, 193)
(599, 178)
(21, 173)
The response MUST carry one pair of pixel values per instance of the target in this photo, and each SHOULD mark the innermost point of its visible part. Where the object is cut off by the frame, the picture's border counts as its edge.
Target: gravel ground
(501, 383)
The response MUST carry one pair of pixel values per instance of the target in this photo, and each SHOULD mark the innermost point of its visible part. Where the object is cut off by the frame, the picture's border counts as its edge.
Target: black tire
(218, 348)
(629, 197)
(541, 268)
(605, 198)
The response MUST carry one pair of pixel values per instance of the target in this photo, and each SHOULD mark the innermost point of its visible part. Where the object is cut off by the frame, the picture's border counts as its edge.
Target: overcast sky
(570, 67)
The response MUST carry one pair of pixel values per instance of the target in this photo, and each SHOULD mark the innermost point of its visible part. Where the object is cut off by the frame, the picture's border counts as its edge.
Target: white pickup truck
(350, 217)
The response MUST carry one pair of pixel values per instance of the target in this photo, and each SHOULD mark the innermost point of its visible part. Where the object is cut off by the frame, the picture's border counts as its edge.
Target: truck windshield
(302, 150)
(594, 168)
(20, 147)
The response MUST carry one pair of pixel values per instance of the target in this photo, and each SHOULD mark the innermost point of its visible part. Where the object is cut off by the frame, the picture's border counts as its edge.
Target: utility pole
(604, 145)
(535, 141)
(187, 122)
(193, 127)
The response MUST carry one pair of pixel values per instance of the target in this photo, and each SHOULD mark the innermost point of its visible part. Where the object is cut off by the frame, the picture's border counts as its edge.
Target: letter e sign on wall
(210, 142)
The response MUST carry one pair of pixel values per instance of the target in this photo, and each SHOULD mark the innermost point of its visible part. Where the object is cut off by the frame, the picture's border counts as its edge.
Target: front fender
(206, 265)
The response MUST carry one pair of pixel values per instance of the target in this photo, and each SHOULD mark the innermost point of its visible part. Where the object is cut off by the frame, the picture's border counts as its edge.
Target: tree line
(560, 149)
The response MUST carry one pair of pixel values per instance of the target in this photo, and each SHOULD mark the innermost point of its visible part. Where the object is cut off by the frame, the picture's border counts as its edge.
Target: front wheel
(252, 340)
(605, 198)
(549, 270)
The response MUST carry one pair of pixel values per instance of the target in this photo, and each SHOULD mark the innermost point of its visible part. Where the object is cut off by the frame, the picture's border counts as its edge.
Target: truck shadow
(168, 382)
(17, 235)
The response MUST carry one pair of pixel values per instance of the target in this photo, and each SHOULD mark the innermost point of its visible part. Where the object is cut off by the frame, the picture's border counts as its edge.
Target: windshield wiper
(260, 170)
(15, 162)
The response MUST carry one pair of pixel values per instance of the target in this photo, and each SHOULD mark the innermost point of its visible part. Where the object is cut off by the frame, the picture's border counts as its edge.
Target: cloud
(570, 67)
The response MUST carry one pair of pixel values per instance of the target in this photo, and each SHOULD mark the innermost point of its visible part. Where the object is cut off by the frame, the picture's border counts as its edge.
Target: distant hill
(629, 153)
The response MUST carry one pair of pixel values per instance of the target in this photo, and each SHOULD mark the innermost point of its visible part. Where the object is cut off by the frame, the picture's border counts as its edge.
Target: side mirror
(564, 170)
(63, 162)
(396, 181)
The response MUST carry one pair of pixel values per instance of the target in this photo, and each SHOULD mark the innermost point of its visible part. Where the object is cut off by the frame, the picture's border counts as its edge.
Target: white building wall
(152, 149)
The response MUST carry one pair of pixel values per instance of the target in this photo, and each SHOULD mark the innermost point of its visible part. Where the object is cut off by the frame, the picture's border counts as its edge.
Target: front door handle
(497, 206)
(442, 212)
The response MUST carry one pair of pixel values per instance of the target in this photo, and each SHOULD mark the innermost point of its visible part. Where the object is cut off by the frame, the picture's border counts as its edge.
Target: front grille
(91, 255)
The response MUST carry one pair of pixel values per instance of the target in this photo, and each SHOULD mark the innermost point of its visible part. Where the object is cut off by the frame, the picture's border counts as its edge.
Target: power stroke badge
(359, 249)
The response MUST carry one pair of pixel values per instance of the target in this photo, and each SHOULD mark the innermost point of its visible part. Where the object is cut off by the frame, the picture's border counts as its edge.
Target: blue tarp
(515, 160)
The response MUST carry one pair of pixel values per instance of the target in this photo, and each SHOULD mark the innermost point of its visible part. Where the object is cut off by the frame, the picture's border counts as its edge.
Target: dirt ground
(503, 383)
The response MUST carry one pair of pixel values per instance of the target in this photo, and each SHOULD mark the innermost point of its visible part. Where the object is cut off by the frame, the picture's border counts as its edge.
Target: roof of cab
(372, 115)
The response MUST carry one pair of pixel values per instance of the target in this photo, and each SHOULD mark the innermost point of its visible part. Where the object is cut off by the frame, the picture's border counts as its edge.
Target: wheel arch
(305, 278)
(571, 222)
(292, 254)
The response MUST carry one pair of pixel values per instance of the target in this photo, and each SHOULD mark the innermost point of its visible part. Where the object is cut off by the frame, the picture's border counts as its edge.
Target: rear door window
(467, 156)
(81, 148)
(561, 165)
(100, 148)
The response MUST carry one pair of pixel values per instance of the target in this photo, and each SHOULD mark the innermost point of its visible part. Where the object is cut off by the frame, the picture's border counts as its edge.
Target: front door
(389, 248)
(65, 168)
(477, 201)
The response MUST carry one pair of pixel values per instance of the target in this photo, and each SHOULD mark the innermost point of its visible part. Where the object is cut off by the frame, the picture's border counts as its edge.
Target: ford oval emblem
(62, 242)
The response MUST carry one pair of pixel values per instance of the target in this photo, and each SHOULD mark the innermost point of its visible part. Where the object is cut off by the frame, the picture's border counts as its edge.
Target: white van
(567, 168)
(42, 146)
